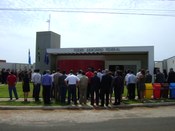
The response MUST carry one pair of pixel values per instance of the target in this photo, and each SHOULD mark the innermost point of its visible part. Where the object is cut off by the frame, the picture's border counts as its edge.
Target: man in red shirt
(89, 74)
(11, 81)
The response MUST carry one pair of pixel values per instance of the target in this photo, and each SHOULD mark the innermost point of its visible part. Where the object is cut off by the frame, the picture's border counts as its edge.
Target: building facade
(112, 58)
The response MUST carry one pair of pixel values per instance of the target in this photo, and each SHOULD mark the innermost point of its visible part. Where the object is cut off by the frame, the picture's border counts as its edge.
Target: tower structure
(44, 41)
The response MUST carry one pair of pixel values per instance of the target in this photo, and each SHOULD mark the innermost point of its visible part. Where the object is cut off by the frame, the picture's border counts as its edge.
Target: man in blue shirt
(46, 83)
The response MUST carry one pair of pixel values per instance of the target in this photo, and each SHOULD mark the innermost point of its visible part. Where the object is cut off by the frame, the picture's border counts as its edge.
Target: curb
(87, 107)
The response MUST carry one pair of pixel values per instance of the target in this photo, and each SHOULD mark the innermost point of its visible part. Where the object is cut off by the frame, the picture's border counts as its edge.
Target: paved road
(152, 119)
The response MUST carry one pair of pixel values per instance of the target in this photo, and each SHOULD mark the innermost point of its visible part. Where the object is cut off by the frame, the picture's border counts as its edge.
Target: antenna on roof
(48, 21)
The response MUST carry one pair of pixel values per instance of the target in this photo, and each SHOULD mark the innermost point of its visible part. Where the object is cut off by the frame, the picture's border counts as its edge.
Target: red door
(76, 65)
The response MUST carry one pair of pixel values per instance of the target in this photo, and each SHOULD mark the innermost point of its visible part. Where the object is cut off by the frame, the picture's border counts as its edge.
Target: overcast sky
(87, 23)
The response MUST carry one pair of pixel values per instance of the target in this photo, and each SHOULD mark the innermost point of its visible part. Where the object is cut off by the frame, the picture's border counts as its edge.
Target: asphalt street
(144, 118)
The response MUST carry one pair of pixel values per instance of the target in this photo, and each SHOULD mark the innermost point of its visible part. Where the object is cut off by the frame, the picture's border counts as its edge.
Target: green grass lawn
(5, 94)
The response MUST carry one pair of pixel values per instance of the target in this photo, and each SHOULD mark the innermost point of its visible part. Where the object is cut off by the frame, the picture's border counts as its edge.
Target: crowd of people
(97, 87)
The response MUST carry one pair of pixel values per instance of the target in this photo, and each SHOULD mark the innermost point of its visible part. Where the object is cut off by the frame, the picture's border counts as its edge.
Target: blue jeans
(13, 88)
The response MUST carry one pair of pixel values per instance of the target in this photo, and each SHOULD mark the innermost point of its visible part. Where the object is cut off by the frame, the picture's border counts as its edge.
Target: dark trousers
(104, 94)
(138, 93)
(53, 91)
(72, 94)
(117, 94)
(96, 92)
(36, 91)
(131, 91)
(46, 94)
(63, 91)
(33, 95)
(13, 88)
(88, 90)
(57, 93)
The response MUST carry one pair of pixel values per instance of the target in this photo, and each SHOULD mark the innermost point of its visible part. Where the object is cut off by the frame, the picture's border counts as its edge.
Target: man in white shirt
(126, 80)
(72, 81)
(132, 79)
(36, 79)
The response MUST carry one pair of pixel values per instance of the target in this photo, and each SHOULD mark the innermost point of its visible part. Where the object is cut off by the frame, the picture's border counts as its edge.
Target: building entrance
(113, 68)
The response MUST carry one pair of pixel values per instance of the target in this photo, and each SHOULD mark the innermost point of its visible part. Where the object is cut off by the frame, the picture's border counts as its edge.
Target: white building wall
(159, 65)
(171, 63)
(15, 66)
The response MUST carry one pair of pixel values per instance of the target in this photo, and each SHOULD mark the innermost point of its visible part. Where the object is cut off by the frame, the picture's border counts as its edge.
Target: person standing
(63, 87)
(46, 83)
(165, 74)
(33, 93)
(106, 84)
(36, 79)
(56, 78)
(3, 76)
(160, 78)
(132, 79)
(171, 76)
(141, 84)
(11, 81)
(72, 81)
(79, 75)
(148, 77)
(95, 89)
(26, 85)
(53, 86)
(137, 84)
(83, 83)
(118, 84)
(126, 81)
(99, 74)
(89, 74)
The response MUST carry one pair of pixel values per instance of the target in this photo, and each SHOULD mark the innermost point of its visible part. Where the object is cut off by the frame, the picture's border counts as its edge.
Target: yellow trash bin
(148, 90)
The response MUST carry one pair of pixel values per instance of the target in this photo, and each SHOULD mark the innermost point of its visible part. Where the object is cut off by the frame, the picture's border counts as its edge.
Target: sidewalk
(81, 107)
